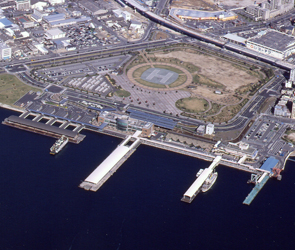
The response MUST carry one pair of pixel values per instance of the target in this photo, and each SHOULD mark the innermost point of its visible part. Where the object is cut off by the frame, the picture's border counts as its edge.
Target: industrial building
(90, 7)
(55, 33)
(272, 43)
(5, 51)
(23, 4)
(125, 14)
(202, 15)
(269, 9)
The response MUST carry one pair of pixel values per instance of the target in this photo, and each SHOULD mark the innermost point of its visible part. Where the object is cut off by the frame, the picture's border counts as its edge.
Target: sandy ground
(215, 69)
(225, 98)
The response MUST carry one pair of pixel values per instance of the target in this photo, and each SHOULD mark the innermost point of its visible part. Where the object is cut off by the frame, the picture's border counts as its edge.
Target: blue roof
(269, 164)
(155, 119)
(5, 22)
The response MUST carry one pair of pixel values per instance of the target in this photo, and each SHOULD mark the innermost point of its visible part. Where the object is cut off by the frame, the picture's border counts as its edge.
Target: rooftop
(269, 164)
(275, 40)
(199, 14)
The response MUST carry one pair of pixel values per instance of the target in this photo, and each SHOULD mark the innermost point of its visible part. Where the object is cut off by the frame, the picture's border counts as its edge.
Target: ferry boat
(58, 145)
(208, 183)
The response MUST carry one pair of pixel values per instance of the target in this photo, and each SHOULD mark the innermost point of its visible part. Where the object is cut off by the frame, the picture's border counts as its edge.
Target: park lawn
(150, 84)
(122, 93)
(179, 81)
(11, 89)
(192, 104)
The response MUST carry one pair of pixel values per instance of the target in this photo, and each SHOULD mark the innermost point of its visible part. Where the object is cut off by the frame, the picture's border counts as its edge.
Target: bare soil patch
(215, 69)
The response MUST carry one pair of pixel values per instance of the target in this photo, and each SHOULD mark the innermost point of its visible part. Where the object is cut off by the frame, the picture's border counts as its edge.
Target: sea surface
(139, 207)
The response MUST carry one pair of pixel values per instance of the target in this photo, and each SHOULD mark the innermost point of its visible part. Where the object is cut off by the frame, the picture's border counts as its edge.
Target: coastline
(6, 106)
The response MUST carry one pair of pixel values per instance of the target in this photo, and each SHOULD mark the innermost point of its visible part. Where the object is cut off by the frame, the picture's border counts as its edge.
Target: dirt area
(158, 35)
(215, 69)
(224, 98)
(195, 4)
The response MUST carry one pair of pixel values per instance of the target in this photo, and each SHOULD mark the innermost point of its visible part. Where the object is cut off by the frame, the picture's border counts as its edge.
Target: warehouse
(55, 34)
(273, 43)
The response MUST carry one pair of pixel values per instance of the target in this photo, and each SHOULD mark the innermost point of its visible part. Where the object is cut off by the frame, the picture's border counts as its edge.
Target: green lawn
(11, 89)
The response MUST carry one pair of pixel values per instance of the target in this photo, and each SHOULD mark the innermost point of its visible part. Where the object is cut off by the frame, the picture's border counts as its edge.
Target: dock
(259, 185)
(194, 189)
(110, 165)
(42, 128)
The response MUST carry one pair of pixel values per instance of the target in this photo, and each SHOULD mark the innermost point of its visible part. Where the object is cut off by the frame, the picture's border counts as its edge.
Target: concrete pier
(110, 165)
(193, 190)
(260, 183)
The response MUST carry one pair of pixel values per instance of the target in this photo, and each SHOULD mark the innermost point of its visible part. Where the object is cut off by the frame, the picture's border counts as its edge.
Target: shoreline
(7, 106)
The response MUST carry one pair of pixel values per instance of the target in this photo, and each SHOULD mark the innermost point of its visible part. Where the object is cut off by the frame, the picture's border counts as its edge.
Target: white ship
(208, 183)
(58, 145)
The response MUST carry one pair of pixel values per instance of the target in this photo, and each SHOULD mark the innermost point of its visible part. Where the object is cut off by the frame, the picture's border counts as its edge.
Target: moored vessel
(208, 183)
(59, 144)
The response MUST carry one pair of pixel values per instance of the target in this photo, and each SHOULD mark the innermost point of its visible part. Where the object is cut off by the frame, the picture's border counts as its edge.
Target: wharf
(261, 182)
(41, 128)
(110, 165)
(199, 155)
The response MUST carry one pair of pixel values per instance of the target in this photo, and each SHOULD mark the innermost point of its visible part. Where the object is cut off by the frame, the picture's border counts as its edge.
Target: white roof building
(55, 33)
(38, 5)
(54, 2)
(210, 129)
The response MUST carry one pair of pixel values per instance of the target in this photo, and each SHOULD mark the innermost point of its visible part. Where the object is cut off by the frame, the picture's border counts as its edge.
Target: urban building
(201, 130)
(210, 129)
(5, 23)
(182, 14)
(125, 14)
(38, 5)
(54, 34)
(272, 43)
(90, 7)
(293, 110)
(54, 2)
(281, 108)
(23, 4)
(269, 9)
(5, 51)
(124, 122)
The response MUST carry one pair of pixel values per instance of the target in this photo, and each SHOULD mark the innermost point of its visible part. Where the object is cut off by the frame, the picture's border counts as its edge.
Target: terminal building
(123, 122)
(133, 120)
(272, 43)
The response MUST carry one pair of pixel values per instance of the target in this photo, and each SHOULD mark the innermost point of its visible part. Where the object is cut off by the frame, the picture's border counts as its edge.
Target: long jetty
(110, 165)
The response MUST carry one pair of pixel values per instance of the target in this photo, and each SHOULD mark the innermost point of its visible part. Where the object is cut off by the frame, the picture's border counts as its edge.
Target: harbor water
(139, 207)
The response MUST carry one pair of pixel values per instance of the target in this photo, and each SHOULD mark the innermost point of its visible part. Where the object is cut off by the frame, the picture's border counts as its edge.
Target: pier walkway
(194, 189)
(110, 165)
(260, 183)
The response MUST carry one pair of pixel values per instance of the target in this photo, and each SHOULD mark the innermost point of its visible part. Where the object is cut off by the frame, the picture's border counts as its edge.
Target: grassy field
(11, 89)
(138, 72)
(122, 93)
(179, 81)
(192, 104)
(150, 84)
